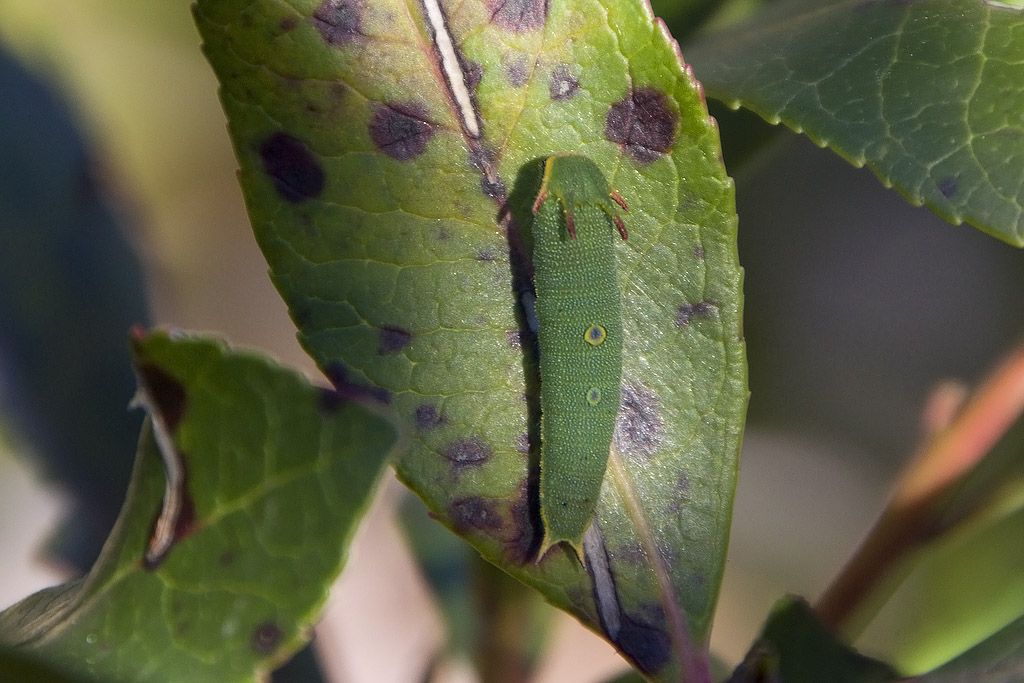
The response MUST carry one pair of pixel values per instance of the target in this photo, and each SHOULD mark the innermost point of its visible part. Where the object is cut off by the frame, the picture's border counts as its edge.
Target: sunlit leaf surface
(389, 178)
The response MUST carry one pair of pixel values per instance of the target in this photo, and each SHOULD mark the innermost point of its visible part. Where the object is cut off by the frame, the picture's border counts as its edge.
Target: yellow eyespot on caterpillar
(596, 334)
(575, 276)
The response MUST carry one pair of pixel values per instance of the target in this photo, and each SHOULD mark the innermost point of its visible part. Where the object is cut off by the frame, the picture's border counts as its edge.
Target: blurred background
(119, 205)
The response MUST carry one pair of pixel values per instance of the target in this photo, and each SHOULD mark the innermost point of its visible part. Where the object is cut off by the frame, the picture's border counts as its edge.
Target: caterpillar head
(577, 181)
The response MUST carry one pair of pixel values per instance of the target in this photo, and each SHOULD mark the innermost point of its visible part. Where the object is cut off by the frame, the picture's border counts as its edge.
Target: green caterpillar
(579, 315)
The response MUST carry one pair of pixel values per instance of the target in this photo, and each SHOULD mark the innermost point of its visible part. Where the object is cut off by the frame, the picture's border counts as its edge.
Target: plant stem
(915, 515)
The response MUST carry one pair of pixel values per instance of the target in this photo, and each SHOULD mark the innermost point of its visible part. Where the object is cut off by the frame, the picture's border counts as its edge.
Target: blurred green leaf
(978, 573)
(927, 94)
(795, 648)
(70, 288)
(393, 231)
(18, 667)
(969, 468)
(997, 659)
(628, 677)
(277, 473)
(683, 17)
(492, 620)
(960, 592)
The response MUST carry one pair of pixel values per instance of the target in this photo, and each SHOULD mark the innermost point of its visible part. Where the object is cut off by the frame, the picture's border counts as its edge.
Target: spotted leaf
(394, 208)
(247, 488)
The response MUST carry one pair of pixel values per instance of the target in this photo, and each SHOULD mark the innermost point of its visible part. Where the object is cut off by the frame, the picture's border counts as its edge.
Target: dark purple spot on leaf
(301, 314)
(468, 452)
(429, 417)
(494, 189)
(166, 392)
(510, 522)
(515, 69)
(296, 173)
(226, 559)
(515, 339)
(475, 514)
(523, 443)
(287, 24)
(643, 123)
(646, 645)
(518, 16)
(949, 187)
(639, 427)
(330, 401)
(524, 537)
(483, 161)
(266, 638)
(698, 252)
(481, 158)
(485, 256)
(378, 394)
(339, 21)
(564, 85)
(631, 552)
(473, 72)
(682, 494)
(687, 312)
(392, 340)
(337, 374)
(401, 131)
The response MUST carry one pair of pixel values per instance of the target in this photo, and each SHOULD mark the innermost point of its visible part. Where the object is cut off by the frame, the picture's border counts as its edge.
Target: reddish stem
(910, 518)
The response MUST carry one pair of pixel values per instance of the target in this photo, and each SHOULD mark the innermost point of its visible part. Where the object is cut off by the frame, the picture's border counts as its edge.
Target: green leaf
(393, 231)
(276, 474)
(18, 667)
(795, 648)
(997, 659)
(685, 16)
(958, 594)
(628, 677)
(927, 94)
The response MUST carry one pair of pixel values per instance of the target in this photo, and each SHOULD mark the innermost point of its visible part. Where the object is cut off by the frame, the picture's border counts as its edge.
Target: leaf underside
(927, 94)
